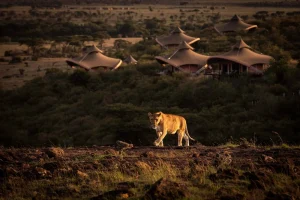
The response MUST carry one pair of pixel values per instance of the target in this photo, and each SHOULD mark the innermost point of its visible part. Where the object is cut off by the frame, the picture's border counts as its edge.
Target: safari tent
(241, 59)
(236, 24)
(93, 59)
(175, 38)
(184, 59)
(130, 60)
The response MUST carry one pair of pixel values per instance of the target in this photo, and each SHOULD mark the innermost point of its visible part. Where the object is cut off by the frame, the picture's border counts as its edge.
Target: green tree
(33, 43)
(80, 77)
(280, 68)
(128, 28)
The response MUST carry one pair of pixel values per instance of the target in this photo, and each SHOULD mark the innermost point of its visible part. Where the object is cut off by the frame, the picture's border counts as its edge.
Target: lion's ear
(159, 113)
(149, 114)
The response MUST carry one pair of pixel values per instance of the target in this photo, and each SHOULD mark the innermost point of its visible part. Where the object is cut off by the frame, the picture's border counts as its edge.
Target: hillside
(242, 172)
(79, 108)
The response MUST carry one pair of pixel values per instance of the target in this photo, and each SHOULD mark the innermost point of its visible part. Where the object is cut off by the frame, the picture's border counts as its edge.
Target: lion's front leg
(161, 144)
(159, 141)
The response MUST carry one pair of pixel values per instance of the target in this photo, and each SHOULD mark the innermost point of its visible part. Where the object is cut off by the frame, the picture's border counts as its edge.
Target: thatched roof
(93, 59)
(92, 49)
(184, 55)
(175, 38)
(242, 53)
(130, 60)
(234, 25)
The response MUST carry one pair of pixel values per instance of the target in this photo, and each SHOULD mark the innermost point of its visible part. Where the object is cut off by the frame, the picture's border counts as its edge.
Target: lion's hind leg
(180, 137)
(186, 139)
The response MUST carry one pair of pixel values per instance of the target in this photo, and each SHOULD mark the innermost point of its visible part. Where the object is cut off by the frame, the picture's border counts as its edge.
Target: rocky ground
(127, 172)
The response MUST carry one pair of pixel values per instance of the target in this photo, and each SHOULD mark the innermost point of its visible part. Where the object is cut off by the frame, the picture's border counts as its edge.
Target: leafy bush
(79, 77)
(15, 59)
(278, 90)
(86, 109)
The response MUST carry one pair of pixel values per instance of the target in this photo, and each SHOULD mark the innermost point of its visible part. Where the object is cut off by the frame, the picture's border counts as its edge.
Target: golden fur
(167, 123)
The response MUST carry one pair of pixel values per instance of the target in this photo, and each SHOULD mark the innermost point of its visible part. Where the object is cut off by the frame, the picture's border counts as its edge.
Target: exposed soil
(131, 172)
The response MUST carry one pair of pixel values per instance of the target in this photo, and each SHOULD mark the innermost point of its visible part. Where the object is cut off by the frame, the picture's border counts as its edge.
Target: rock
(37, 173)
(54, 152)
(12, 171)
(124, 145)
(275, 196)
(122, 192)
(258, 180)
(232, 197)
(165, 189)
(148, 154)
(126, 185)
(2, 176)
(64, 171)
(82, 174)
(115, 194)
(31, 158)
(267, 159)
(34, 195)
(124, 195)
(25, 166)
(2, 173)
(73, 188)
(90, 166)
(143, 166)
(248, 165)
(5, 157)
(228, 194)
(111, 152)
(52, 166)
(41, 172)
(196, 155)
(225, 174)
(223, 159)
(256, 184)
(211, 154)
(51, 193)
(250, 176)
(244, 144)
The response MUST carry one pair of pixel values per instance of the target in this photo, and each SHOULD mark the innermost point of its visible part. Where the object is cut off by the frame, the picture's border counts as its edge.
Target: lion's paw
(156, 143)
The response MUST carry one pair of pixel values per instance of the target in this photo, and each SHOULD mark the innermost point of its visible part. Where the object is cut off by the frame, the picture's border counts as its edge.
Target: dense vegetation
(277, 31)
(89, 109)
(85, 109)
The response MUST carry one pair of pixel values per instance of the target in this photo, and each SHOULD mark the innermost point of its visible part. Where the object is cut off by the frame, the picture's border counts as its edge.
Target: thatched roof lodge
(241, 59)
(93, 59)
(175, 38)
(236, 24)
(184, 59)
(130, 60)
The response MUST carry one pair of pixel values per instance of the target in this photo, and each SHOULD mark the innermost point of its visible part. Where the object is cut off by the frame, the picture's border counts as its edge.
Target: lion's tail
(187, 133)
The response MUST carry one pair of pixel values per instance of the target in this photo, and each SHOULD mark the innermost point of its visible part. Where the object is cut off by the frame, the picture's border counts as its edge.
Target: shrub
(15, 59)
(278, 90)
(79, 77)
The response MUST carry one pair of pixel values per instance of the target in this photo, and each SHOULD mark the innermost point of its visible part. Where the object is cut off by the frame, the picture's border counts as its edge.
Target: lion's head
(155, 119)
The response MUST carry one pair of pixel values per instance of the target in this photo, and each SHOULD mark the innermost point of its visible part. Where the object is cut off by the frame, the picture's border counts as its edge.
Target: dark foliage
(276, 36)
(88, 109)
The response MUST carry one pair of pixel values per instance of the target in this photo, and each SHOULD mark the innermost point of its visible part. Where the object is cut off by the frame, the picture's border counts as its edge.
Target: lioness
(167, 123)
